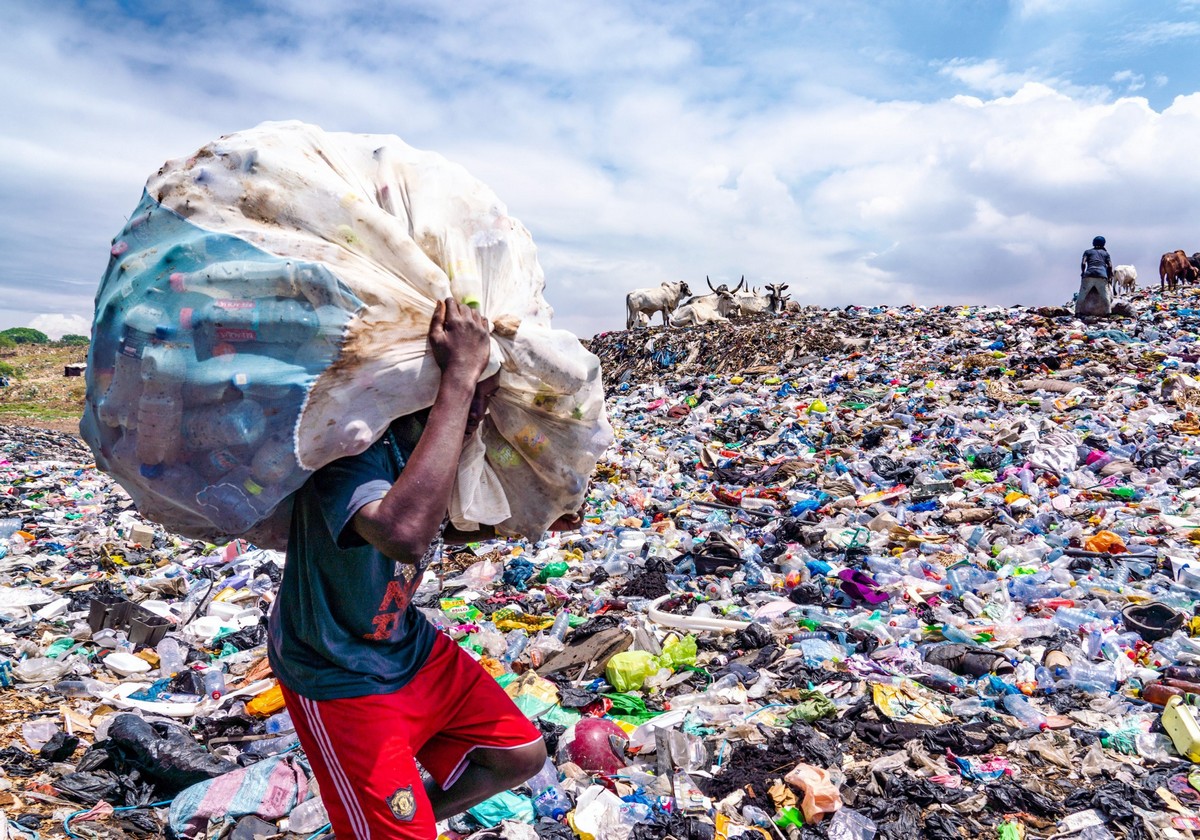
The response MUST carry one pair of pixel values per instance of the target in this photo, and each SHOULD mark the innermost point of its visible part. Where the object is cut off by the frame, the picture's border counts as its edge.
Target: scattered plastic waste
(886, 572)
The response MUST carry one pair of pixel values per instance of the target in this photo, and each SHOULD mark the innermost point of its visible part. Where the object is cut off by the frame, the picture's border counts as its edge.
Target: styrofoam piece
(206, 628)
(125, 664)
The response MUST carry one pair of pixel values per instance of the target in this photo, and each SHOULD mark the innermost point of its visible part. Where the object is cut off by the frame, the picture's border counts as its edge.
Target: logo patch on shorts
(403, 804)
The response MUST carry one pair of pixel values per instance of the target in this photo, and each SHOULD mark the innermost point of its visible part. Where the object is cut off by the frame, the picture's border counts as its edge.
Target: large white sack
(285, 277)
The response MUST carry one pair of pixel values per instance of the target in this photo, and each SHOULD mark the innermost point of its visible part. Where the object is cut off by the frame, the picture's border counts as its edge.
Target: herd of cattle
(1176, 268)
(680, 308)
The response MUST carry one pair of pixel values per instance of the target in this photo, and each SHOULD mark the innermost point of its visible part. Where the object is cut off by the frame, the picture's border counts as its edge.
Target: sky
(881, 152)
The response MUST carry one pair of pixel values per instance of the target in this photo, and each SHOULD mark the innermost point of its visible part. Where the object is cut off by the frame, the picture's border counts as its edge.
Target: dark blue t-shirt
(342, 625)
(1095, 263)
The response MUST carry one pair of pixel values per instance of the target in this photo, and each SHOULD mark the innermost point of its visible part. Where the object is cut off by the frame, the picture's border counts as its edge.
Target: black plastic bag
(940, 827)
(1009, 796)
(91, 786)
(1114, 799)
(990, 459)
(247, 639)
(1156, 456)
(60, 747)
(873, 437)
(901, 787)
(17, 762)
(166, 753)
(753, 637)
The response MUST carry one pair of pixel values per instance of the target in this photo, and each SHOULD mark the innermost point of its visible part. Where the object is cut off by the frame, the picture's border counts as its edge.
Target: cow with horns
(721, 305)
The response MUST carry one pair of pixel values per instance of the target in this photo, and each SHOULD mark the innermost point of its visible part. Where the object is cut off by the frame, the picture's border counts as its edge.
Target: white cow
(1125, 279)
(753, 302)
(706, 309)
(645, 302)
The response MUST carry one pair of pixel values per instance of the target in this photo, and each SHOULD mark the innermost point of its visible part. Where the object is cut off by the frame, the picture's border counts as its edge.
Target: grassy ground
(37, 393)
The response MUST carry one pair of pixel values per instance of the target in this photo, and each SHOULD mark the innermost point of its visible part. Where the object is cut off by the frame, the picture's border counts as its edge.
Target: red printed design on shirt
(396, 598)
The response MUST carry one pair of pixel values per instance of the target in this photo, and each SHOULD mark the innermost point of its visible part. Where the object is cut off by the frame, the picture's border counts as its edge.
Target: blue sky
(885, 152)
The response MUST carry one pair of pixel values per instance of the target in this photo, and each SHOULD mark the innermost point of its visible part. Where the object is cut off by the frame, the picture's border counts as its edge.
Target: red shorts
(362, 749)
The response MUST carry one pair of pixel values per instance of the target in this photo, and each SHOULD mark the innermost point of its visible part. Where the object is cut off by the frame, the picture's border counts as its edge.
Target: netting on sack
(266, 311)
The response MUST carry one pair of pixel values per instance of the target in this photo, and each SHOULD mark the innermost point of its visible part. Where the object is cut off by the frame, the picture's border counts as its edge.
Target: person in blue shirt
(1096, 262)
(372, 687)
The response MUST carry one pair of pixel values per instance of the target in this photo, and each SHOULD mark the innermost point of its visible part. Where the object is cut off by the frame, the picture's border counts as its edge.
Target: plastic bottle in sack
(215, 463)
(273, 462)
(160, 408)
(118, 406)
(269, 320)
(235, 502)
(217, 426)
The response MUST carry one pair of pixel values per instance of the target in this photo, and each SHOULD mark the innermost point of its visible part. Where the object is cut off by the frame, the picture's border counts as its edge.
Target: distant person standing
(1095, 279)
(1096, 262)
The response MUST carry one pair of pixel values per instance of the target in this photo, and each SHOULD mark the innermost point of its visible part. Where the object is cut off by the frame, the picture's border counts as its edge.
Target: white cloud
(634, 147)
(1129, 80)
(1163, 32)
(56, 326)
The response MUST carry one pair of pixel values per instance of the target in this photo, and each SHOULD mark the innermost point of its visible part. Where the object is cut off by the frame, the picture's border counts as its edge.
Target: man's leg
(489, 770)
(361, 753)
(482, 744)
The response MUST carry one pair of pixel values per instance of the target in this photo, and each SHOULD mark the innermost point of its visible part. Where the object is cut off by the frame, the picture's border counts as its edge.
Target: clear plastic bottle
(1073, 618)
(515, 645)
(160, 409)
(273, 462)
(1019, 707)
(562, 622)
(214, 682)
(1098, 678)
(308, 817)
(235, 502)
(171, 656)
(277, 724)
(118, 406)
(213, 427)
(266, 320)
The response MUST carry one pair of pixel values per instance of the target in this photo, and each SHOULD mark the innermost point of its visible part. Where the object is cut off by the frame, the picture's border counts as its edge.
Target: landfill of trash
(873, 572)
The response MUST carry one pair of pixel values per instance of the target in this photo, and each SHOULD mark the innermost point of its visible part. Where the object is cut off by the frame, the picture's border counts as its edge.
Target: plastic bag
(679, 653)
(165, 753)
(266, 311)
(628, 670)
(821, 796)
(503, 806)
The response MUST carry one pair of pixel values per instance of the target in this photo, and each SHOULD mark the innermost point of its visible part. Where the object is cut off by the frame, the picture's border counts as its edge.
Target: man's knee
(519, 765)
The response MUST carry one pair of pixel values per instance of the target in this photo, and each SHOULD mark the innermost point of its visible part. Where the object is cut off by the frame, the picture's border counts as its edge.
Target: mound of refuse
(887, 572)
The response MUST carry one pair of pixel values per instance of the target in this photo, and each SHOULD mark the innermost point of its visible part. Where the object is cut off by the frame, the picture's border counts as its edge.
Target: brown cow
(1174, 269)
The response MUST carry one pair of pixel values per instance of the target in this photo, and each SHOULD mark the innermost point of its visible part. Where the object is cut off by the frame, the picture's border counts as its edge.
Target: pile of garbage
(886, 572)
